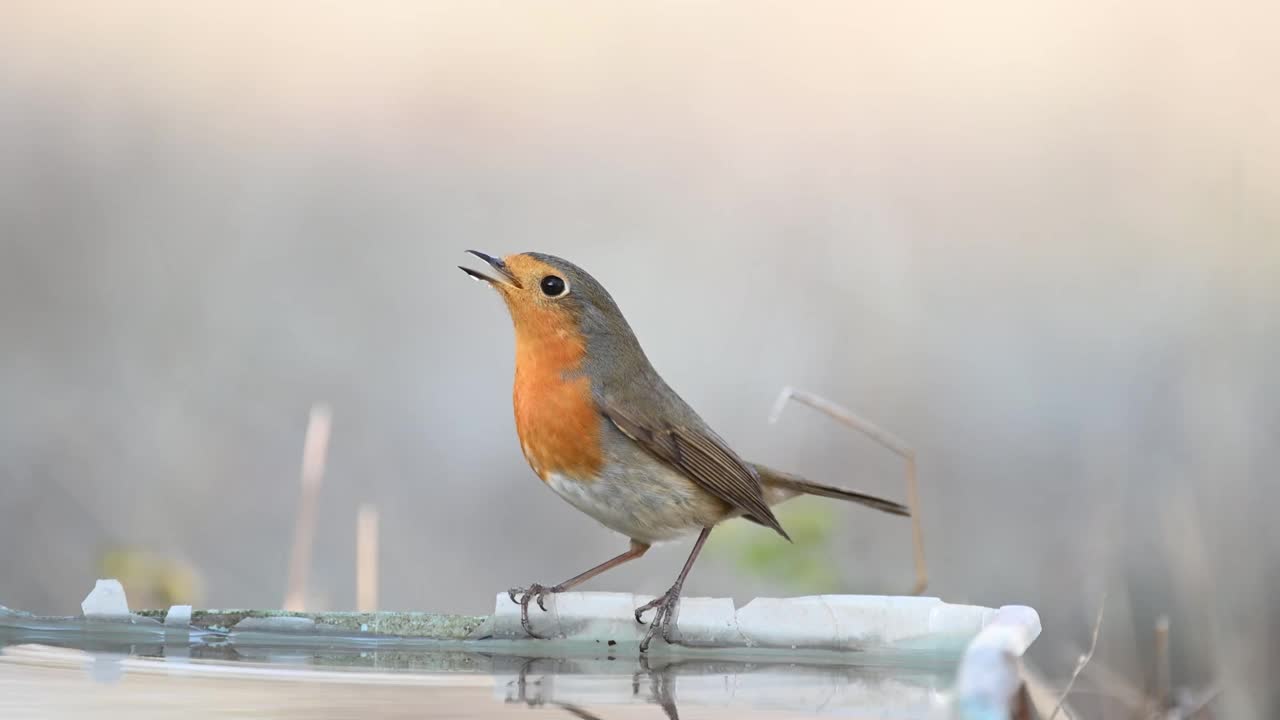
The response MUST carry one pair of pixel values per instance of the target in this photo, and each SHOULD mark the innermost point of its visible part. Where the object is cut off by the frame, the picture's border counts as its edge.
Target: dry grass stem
(367, 558)
(1084, 659)
(893, 443)
(1162, 659)
(315, 451)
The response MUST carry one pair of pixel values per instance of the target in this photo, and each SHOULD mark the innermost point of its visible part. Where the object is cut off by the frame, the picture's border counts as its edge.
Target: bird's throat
(555, 414)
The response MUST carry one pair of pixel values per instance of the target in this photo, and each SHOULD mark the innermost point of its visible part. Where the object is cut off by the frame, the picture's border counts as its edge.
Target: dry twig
(367, 558)
(315, 450)
(885, 439)
(1084, 659)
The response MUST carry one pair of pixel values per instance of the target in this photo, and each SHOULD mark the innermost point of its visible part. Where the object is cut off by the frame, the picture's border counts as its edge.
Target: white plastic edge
(989, 674)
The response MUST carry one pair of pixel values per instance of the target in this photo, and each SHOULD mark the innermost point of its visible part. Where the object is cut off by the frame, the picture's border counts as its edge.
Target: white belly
(647, 512)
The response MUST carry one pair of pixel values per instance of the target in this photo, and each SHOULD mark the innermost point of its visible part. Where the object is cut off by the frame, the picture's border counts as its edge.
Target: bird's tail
(781, 486)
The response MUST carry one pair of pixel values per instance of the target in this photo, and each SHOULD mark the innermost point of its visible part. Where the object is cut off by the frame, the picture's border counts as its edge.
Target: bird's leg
(660, 687)
(667, 603)
(522, 685)
(523, 596)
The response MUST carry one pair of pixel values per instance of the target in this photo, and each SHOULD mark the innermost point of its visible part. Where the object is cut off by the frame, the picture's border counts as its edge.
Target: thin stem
(1084, 659)
(883, 438)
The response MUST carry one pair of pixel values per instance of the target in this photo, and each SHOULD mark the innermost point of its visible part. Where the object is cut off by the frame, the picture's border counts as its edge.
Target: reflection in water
(573, 684)
(582, 683)
(580, 713)
(658, 684)
(659, 687)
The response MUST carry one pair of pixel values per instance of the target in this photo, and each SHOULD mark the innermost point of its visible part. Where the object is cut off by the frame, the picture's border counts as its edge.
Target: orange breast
(556, 418)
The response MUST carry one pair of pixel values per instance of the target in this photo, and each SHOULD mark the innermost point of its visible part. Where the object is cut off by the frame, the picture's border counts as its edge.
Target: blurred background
(1038, 241)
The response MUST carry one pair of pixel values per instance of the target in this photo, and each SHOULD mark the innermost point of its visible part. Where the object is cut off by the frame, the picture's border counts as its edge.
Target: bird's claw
(665, 605)
(526, 596)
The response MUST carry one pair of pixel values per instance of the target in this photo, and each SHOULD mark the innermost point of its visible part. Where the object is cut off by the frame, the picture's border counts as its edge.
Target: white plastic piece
(106, 600)
(858, 622)
(604, 616)
(788, 623)
(707, 622)
(818, 622)
(989, 675)
(573, 615)
(178, 617)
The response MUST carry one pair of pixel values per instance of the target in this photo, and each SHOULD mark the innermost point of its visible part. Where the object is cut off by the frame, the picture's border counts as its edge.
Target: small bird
(601, 428)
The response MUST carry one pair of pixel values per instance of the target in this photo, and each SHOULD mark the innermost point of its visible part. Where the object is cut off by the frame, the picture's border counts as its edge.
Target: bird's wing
(703, 458)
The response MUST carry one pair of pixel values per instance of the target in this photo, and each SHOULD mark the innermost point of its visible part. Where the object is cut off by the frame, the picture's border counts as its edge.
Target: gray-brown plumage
(603, 430)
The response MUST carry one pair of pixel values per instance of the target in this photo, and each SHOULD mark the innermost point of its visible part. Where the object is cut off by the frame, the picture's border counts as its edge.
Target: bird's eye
(554, 286)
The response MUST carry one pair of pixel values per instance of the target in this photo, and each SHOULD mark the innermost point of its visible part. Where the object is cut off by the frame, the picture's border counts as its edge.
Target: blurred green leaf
(804, 566)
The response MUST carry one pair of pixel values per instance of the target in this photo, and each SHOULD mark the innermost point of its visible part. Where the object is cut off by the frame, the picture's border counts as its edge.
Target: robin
(601, 428)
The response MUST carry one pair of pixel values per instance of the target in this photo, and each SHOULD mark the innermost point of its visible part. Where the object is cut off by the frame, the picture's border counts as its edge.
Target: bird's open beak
(496, 263)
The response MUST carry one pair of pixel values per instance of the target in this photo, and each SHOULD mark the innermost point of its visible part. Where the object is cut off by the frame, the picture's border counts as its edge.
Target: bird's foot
(524, 596)
(664, 618)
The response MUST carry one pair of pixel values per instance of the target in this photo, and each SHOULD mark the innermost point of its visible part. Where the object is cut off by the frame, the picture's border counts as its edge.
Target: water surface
(84, 675)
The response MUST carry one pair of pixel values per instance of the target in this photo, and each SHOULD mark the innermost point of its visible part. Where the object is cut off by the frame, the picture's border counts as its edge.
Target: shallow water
(42, 676)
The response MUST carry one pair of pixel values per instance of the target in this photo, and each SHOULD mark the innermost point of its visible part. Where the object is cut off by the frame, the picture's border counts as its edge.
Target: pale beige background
(1038, 240)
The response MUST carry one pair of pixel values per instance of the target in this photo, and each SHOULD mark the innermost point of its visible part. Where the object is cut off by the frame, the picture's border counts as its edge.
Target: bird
(602, 429)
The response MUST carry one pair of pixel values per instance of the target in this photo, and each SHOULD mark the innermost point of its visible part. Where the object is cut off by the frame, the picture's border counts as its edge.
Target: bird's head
(551, 298)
